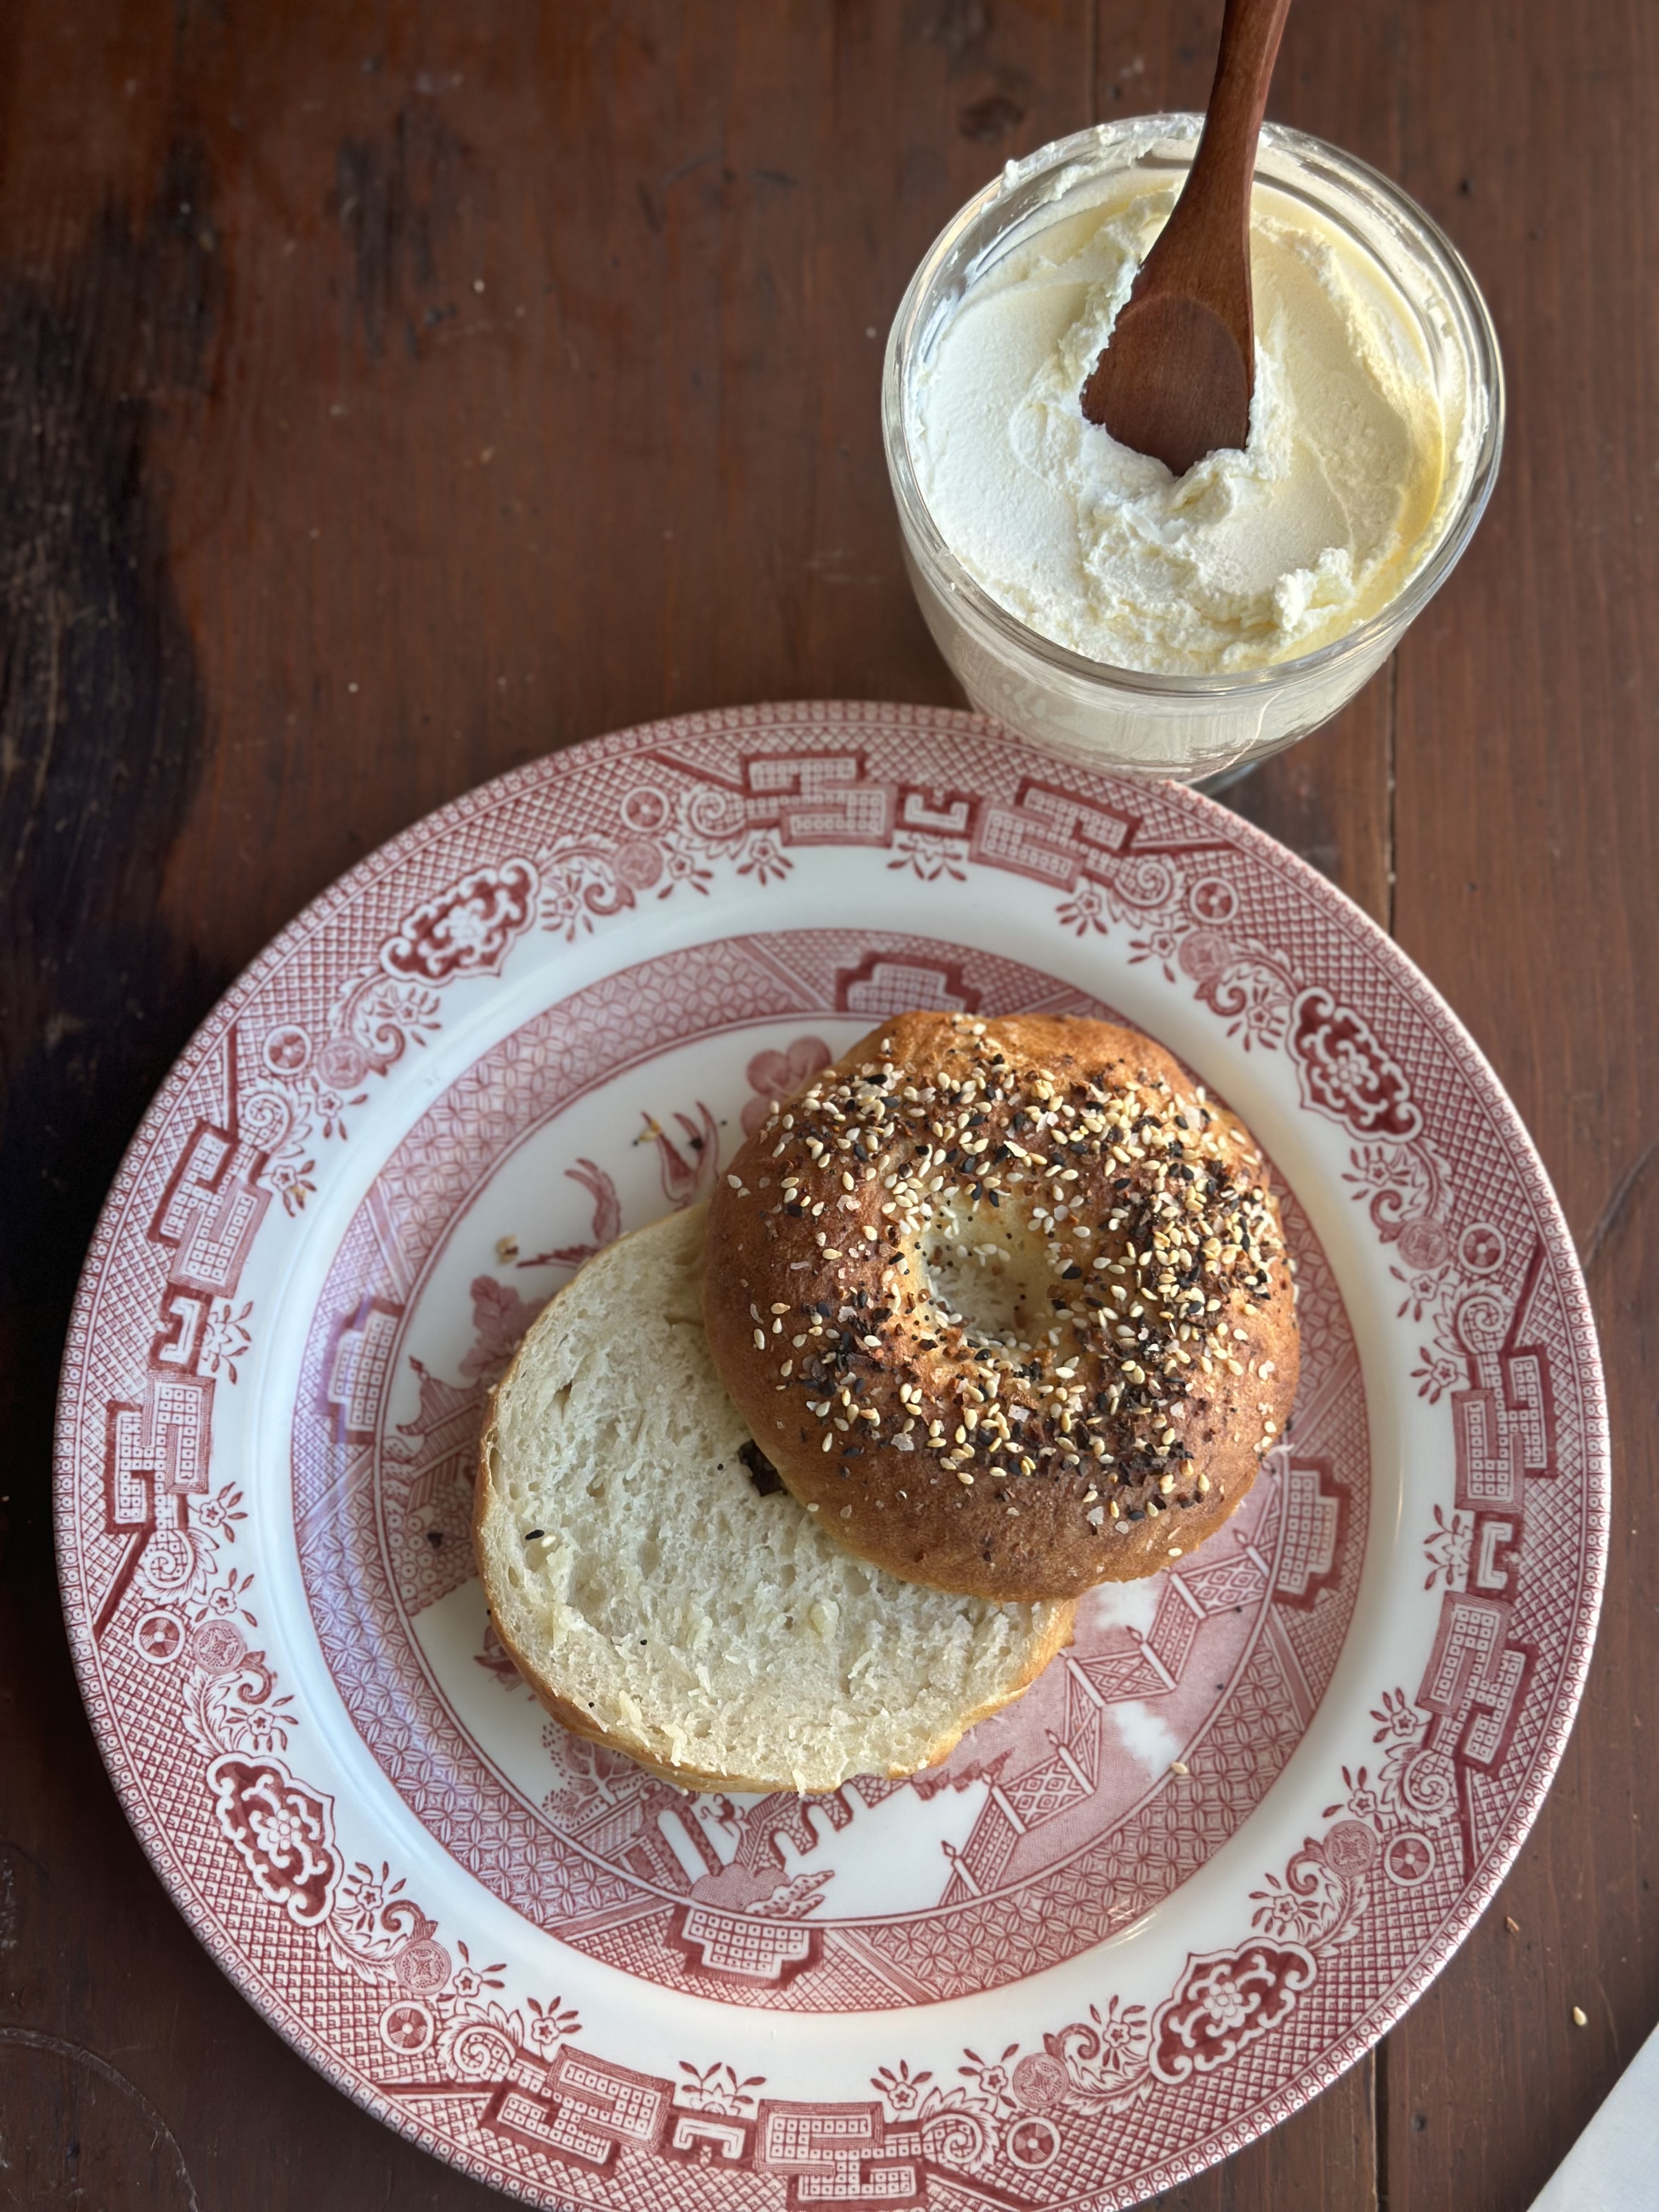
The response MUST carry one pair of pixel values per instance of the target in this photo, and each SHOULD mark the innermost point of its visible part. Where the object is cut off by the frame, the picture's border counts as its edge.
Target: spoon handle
(1213, 212)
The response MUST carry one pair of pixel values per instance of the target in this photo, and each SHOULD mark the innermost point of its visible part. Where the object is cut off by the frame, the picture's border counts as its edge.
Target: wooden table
(389, 395)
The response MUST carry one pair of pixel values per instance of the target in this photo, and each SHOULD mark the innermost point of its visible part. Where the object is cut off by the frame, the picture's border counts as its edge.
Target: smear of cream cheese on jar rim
(1251, 558)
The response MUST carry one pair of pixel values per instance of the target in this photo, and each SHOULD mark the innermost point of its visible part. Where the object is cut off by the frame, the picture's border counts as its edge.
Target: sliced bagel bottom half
(661, 1591)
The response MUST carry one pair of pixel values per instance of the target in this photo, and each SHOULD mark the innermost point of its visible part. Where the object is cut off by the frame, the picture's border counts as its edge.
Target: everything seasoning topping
(1041, 1272)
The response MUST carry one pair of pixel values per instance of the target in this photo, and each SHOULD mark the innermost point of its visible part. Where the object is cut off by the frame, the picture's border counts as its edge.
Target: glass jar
(1188, 726)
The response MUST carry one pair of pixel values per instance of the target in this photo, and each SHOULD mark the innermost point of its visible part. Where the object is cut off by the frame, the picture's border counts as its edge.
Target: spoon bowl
(1178, 374)
(1188, 387)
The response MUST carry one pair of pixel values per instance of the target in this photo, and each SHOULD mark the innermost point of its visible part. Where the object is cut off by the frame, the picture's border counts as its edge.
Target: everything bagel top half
(1006, 1302)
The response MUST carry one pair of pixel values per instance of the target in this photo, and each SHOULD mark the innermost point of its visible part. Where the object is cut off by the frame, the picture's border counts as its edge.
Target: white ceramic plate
(1136, 1919)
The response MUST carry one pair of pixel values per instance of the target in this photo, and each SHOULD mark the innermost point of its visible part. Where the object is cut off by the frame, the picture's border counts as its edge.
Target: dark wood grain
(389, 395)
(1527, 795)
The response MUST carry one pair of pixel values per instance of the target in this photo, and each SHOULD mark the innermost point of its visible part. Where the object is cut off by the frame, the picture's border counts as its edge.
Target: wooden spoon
(1177, 378)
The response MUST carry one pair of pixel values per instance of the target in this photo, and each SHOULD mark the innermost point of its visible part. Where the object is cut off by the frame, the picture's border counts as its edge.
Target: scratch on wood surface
(9, 1909)
(77, 2054)
(1619, 1201)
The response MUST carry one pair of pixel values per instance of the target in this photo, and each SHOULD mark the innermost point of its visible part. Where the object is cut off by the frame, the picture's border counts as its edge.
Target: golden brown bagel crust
(894, 1248)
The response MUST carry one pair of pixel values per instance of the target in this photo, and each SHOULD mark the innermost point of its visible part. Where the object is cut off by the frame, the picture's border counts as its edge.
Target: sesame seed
(1182, 1235)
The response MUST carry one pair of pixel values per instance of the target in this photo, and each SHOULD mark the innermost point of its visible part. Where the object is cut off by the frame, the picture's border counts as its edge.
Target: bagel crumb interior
(663, 1596)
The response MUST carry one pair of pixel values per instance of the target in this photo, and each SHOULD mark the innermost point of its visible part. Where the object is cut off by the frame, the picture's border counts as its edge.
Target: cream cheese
(1251, 558)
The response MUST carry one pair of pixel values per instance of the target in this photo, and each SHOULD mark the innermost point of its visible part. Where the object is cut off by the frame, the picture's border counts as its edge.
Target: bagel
(1007, 1301)
(663, 1595)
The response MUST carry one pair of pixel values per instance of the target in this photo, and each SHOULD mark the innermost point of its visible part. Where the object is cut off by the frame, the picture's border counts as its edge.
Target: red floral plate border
(1306, 1935)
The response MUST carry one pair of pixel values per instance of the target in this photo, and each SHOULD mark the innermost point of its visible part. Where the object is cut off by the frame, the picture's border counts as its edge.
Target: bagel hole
(991, 1276)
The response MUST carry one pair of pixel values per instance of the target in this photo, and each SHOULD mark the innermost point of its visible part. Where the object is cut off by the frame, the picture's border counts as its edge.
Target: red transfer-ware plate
(1138, 1917)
